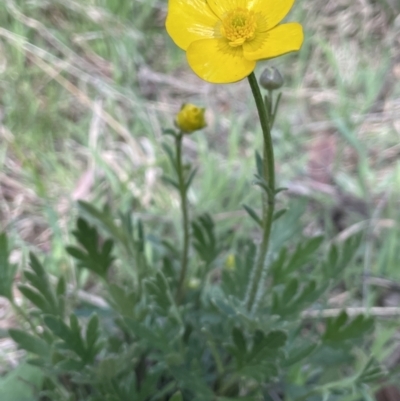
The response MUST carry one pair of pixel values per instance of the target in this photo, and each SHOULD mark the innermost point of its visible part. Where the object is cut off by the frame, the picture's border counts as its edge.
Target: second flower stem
(268, 198)
(185, 217)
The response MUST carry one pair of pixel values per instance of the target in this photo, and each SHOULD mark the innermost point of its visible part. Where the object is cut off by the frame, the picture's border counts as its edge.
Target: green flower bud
(271, 79)
(194, 283)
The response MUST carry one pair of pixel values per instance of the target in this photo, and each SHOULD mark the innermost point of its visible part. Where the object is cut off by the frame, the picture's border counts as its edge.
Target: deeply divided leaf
(92, 255)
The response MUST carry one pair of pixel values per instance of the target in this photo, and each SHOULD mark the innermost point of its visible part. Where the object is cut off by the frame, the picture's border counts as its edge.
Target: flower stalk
(185, 216)
(268, 197)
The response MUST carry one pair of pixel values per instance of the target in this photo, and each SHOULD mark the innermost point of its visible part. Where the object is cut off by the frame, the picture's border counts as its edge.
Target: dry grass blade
(86, 101)
(376, 311)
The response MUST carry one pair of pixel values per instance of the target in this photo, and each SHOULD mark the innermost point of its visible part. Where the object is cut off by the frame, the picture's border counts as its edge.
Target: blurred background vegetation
(86, 87)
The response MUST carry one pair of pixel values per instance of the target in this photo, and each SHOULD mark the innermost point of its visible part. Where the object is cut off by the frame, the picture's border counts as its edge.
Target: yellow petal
(274, 10)
(221, 7)
(283, 39)
(190, 20)
(215, 61)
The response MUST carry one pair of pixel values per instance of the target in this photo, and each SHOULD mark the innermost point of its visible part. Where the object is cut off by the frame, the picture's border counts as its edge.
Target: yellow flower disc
(238, 26)
(190, 118)
(224, 39)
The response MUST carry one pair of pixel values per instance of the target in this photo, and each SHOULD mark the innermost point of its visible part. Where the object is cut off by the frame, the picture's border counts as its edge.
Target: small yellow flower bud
(271, 79)
(230, 262)
(190, 118)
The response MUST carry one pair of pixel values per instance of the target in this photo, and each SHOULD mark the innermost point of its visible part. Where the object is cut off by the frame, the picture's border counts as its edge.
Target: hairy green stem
(185, 217)
(268, 199)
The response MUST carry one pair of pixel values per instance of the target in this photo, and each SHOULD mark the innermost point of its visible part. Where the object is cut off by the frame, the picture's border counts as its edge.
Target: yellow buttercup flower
(223, 39)
(190, 118)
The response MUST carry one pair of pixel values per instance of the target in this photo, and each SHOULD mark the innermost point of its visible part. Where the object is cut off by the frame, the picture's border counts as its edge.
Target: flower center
(238, 26)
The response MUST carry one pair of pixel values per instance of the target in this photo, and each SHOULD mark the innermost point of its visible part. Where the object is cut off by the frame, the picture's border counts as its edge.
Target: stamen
(238, 26)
